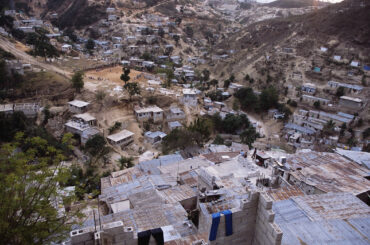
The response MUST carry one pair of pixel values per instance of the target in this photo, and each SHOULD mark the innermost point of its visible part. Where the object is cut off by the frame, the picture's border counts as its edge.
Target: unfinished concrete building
(191, 201)
(78, 106)
(30, 110)
(121, 139)
(223, 197)
(153, 112)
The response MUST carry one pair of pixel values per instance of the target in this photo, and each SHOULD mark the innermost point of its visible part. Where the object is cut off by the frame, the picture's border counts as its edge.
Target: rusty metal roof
(284, 193)
(329, 172)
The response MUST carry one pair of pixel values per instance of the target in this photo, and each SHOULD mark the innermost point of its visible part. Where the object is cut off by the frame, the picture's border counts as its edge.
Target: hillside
(296, 3)
(75, 13)
(334, 22)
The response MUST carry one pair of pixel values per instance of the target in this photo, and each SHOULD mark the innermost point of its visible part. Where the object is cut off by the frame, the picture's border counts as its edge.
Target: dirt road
(21, 55)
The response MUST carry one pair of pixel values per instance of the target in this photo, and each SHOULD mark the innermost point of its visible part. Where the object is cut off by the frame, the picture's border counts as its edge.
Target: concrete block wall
(266, 231)
(244, 221)
(112, 234)
(83, 236)
(253, 223)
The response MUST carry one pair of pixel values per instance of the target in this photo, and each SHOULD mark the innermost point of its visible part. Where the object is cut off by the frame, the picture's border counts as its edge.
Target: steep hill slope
(296, 3)
(76, 13)
(348, 22)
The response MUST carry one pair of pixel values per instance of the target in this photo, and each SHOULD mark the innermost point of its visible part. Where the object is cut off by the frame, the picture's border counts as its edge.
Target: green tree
(227, 83)
(4, 79)
(363, 81)
(189, 31)
(176, 38)
(90, 45)
(247, 98)
(125, 162)
(178, 20)
(42, 46)
(247, 77)
(249, 135)
(218, 140)
(205, 75)
(340, 92)
(329, 128)
(100, 95)
(366, 133)
(161, 32)
(269, 98)
(10, 125)
(178, 139)
(316, 104)
(132, 88)
(214, 82)
(204, 128)
(125, 76)
(95, 145)
(30, 180)
(78, 81)
(232, 78)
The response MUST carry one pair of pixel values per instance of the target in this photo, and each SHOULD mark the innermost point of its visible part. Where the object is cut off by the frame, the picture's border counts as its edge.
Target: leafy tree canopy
(78, 81)
(30, 180)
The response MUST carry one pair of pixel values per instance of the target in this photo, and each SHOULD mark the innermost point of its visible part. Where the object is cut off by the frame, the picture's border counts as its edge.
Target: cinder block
(277, 233)
(265, 201)
(266, 215)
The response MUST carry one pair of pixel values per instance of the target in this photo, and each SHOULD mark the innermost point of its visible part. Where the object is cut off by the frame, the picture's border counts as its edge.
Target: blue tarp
(229, 222)
(214, 227)
(367, 68)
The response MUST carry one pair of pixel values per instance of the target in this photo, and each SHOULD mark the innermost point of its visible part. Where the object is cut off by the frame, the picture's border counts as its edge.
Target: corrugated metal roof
(329, 172)
(339, 232)
(284, 193)
(318, 226)
(151, 167)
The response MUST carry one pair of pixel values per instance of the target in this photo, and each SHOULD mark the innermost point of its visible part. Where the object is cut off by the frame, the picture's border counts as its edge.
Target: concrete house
(86, 118)
(350, 102)
(88, 134)
(131, 39)
(148, 64)
(175, 114)
(78, 106)
(83, 125)
(323, 49)
(121, 139)
(110, 10)
(136, 62)
(235, 87)
(309, 88)
(116, 39)
(351, 88)
(26, 29)
(112, 17)
(337, 58)
(354, 63)
(154, 137)
(308, 99)
(189, 97)
(174, 125)
(66, 48)
(153, 112)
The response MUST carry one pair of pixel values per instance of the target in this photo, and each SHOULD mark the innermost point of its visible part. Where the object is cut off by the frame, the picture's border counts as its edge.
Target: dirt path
(261, 127)
(19, 54)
